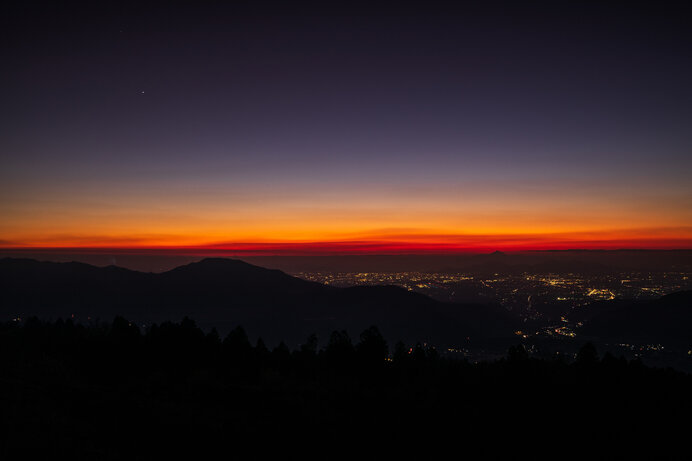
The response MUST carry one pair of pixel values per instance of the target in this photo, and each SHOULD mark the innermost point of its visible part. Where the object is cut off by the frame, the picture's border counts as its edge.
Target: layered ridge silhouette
(224, 293)
(666, 320)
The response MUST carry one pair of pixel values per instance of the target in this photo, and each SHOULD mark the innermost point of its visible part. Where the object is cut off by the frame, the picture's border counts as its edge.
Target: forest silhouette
(111, 391)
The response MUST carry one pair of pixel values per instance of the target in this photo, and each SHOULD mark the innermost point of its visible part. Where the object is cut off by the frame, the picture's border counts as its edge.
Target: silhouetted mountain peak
(227, 273)
(223, 267)
(217, 264)
(223, 291)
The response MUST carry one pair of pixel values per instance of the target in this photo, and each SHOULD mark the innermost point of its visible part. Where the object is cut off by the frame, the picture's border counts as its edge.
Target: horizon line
(312, 252)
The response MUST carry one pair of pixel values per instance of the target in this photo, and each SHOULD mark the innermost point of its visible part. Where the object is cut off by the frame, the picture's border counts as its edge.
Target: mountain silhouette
(224, 293)
(666, 320)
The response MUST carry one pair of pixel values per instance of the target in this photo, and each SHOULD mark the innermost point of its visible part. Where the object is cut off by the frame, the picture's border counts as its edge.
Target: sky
(293, 128)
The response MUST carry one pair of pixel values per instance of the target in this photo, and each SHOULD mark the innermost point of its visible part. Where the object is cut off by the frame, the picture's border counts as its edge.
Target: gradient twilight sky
(388, 129)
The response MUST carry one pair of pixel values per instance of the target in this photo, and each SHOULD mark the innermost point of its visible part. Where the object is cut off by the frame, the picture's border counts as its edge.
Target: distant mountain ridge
(224, 292)
(579, 261)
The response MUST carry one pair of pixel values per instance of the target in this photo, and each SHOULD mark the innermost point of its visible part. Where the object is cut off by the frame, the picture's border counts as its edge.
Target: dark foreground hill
(224, 293)
(109, 391)
(666, 320)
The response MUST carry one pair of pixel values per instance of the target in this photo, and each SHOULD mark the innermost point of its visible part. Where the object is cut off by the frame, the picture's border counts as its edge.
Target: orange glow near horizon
(323, 239)
(364, 219)
(419, 245)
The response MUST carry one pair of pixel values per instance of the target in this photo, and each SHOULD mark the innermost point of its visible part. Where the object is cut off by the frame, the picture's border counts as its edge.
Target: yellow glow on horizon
(455, 217)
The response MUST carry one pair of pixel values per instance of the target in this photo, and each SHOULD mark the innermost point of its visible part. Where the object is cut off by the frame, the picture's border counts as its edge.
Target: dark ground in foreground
(112, 392)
